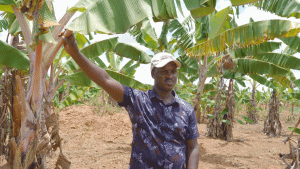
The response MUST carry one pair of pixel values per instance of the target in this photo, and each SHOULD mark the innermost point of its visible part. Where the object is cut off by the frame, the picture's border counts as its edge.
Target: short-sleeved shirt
(160, 132)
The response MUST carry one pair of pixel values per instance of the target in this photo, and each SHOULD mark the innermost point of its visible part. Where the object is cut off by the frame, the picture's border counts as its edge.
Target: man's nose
(169, 74)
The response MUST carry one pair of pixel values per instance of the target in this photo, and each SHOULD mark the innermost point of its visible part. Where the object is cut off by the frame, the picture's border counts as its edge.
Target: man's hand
(192, 154)
(70, 44)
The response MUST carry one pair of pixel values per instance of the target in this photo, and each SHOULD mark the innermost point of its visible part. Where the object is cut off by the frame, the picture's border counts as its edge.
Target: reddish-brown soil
(93, 141)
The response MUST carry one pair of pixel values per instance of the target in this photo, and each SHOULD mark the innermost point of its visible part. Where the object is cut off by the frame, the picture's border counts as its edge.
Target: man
(164, 126)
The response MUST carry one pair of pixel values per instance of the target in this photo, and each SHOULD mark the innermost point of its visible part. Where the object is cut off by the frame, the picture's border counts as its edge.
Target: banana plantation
(231, 74)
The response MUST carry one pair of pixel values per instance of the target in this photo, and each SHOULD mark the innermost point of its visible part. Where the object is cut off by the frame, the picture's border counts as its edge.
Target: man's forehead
(169, 65)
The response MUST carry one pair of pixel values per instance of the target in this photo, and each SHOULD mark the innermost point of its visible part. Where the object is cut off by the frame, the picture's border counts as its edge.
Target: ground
(93, 141)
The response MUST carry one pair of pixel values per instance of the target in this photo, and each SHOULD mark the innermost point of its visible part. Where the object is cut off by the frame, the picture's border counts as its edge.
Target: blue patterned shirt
(160, 132)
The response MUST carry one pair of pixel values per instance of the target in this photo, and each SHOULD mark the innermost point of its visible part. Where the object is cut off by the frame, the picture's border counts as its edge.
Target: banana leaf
(6, 8)
(262, 80)
(12, 57)
(217, 22)
(200, 8)
(7, 2)
(284, 8)
(292, 42)
(145, 34)
(241, 2)
(208, 87)
(296, 95)
(283, 80)
(113, 16)
(163, 10)
(246, 35)
(132, 52)
(253, 66)
(98, 48)
(283, 60)
(3, 25)
(297, 82)
(179, 32)
(256, 49)
(80, 79)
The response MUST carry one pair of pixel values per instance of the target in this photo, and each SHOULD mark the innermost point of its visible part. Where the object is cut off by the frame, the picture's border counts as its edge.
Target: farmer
(164, 126)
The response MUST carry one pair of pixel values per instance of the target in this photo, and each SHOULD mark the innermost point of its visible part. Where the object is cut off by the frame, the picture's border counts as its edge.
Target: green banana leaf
(297, 82)
(145, 34)
(12, 57)
(179, 32)
(296, 95)
(80, 79)
(100, 63)
(283, 60)
(256, 49)
(113, 16)
(15, 27)
(125, 80)
(132, 52)
(254, 66)
(249, 66)
(246, 35)
(242, 2)
(200, 8)
(7, 2)
(163, 10)
(6, 8)
(217, 22)
(179, 6)
(183, 77)
(262, 80)
(3, 25)
(98, 48)
(292, 42)
(283, 80)
(284, 8)
(81, 5)
(208, 87)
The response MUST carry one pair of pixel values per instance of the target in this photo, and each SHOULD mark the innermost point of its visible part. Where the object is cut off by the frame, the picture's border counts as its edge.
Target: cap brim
(166, 61)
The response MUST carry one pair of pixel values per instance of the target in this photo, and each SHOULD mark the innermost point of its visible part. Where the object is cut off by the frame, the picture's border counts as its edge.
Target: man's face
(165, 77)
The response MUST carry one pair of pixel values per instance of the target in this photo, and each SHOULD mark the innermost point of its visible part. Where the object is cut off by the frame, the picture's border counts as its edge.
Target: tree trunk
(252, 105)
(214, 126)
(34, 123)
(230, 104)
(202, 77)
(272, 125)
(5, 109)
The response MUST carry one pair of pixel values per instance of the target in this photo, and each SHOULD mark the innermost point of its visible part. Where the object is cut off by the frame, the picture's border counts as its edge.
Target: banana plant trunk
(34, 123)
(202, 77)
(252, 109)
(229, 116)
(272, 124)
(214, 125)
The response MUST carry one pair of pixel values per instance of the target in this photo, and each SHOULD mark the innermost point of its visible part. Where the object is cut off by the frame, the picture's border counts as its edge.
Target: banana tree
(240, 37)
(31, 140)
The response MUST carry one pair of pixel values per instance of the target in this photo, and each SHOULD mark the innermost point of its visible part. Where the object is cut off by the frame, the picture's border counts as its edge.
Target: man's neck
(166, 97)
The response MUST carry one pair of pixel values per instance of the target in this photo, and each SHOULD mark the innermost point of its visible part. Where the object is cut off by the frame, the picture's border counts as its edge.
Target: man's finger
(61, 34)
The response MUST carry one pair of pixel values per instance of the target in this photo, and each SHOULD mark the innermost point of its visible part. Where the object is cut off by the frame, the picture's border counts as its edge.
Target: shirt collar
(153, 94)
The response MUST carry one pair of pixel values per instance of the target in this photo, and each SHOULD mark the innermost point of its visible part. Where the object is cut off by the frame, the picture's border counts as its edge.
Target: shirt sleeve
(192, 130)
(127, 101)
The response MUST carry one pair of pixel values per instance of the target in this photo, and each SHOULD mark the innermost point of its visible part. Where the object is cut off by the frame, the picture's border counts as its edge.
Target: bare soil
(93, 141)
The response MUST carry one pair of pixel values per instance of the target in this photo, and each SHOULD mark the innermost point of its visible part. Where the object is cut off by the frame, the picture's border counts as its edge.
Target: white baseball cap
(163, 58)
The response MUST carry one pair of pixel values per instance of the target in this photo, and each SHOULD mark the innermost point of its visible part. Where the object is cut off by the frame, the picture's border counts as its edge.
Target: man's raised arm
(94, 72)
